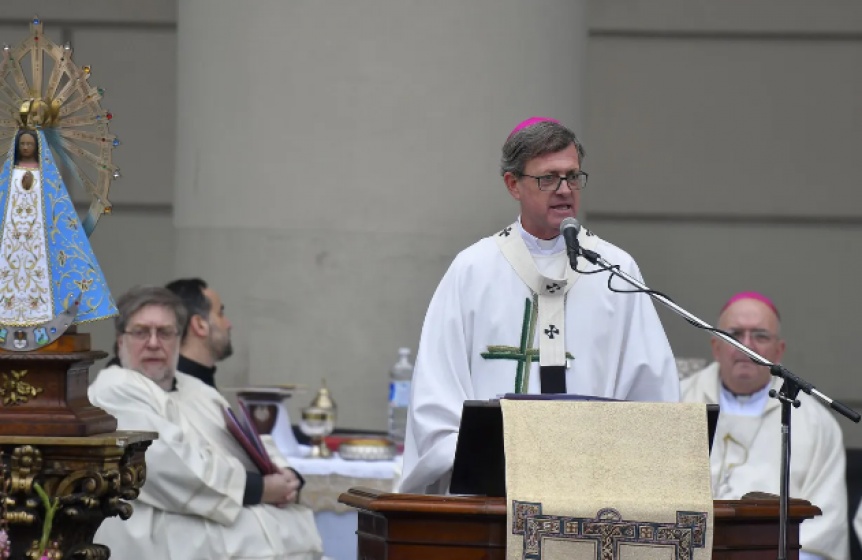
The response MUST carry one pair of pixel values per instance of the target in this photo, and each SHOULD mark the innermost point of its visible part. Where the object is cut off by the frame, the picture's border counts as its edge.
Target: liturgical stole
(551, 296)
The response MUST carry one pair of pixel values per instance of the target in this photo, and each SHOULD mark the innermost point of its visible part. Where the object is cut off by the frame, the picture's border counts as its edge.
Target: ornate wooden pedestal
(89, 476)
(44, 392)
(51, 435)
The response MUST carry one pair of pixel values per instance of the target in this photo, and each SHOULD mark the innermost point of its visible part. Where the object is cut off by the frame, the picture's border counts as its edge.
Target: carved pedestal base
(90, 477)
(44, 392)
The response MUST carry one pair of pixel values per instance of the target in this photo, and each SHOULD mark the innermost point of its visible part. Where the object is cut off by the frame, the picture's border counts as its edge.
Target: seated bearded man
(203, 497)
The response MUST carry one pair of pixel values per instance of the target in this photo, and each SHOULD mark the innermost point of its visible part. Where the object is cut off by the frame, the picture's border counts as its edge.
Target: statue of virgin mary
(49, 278)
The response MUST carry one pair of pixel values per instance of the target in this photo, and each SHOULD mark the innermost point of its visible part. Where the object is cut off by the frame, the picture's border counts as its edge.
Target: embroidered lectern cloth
(607, 480)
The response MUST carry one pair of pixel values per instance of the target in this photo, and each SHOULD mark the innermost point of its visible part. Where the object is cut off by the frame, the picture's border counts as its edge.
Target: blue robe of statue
(45, 257)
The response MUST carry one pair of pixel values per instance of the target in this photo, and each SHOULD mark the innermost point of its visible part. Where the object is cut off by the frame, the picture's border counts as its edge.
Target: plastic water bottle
(400, 378)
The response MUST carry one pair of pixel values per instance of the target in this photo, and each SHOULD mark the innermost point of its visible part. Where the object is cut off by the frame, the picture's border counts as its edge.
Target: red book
(245, 433)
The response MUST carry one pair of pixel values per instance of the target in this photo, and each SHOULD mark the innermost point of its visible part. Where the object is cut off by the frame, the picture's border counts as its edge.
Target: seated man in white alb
(203, 497)
(746, 453)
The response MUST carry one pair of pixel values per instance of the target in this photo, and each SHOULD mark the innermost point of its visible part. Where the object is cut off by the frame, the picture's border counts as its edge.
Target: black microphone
(569, 228)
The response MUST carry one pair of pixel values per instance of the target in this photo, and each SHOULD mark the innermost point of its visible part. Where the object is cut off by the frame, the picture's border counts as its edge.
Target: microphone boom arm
(776, 369)
(786, 395)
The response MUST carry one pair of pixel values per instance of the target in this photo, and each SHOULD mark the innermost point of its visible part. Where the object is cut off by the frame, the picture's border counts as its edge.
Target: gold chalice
(318, 421)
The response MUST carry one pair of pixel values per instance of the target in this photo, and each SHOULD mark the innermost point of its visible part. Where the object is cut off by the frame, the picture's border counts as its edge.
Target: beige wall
(326, 182)
(726, 140)
(723, 142)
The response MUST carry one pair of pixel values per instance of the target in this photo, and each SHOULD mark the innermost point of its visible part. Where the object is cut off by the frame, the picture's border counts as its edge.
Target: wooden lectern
(422, 527)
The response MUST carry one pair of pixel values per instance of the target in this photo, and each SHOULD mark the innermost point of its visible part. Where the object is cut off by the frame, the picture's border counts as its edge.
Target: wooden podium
(422, 527)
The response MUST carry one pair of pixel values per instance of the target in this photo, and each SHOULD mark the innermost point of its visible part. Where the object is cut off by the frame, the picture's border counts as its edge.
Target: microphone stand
(786, 394)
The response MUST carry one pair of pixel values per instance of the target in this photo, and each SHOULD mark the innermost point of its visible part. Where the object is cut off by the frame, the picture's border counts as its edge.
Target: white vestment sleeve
(441, 384)
(825, 486)
(183, 477)
(646, 357)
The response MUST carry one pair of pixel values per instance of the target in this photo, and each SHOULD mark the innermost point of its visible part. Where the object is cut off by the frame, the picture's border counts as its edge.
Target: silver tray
(367, 449)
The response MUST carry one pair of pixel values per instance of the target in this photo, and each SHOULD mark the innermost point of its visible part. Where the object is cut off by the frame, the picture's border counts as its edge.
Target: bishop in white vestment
(510, 305)
(746, 453)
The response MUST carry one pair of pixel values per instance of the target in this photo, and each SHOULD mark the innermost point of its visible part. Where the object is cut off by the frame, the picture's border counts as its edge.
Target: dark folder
(480, 462)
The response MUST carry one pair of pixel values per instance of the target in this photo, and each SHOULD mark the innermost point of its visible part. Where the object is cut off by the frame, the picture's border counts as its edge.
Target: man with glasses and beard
(746, 453)
(207, 334)
(204, 498)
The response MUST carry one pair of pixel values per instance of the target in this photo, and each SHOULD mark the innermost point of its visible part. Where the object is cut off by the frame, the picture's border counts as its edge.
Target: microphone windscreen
(570, 223)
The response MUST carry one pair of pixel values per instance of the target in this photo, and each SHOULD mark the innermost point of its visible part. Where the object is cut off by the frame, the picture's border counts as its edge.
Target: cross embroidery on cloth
(553, 288)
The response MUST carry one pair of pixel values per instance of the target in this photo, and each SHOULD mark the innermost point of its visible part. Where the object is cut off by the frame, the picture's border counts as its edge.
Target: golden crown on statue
(41, 87)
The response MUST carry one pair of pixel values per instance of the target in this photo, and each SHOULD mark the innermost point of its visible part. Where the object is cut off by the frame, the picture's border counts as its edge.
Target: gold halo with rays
(41, 87)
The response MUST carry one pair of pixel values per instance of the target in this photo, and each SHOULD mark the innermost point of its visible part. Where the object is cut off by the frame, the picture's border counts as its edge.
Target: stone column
(333, 158)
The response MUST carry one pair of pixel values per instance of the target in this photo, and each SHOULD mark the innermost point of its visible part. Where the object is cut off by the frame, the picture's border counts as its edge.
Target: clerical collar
(197, 369)
(744, 405)
(538, 246)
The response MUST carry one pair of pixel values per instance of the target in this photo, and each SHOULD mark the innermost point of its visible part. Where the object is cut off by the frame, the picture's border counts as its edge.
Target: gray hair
(542, 138)
(141, 296)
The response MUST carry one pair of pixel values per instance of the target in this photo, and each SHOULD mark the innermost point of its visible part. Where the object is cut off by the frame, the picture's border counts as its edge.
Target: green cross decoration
(524, 354)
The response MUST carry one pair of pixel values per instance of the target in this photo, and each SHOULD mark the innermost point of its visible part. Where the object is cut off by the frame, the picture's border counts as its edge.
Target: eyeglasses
(143, 334)
(576, 180)
(759, 336)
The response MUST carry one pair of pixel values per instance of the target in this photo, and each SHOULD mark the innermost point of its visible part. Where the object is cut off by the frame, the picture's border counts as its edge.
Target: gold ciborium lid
(323, 400)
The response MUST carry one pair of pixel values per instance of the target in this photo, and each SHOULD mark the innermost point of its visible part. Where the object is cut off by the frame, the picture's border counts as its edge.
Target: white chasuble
(746, 457)
(482, 332)
(190, 507)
